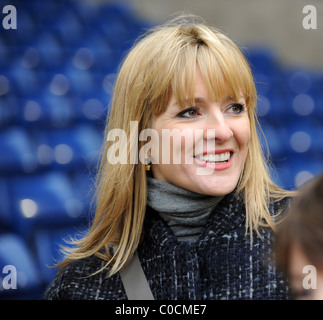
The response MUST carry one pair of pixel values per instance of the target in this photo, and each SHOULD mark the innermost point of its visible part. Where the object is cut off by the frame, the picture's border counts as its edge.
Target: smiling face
(213, 156)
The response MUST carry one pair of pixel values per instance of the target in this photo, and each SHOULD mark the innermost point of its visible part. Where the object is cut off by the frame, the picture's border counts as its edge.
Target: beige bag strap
(134, 280)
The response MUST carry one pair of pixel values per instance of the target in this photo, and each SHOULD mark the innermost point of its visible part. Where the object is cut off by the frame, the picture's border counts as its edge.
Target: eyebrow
(199, 100)
(196, 100)
(204, 101)
(229, 98)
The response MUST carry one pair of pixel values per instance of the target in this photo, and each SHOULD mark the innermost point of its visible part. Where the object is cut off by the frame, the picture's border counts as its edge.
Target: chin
(218, 192)
(220, 188)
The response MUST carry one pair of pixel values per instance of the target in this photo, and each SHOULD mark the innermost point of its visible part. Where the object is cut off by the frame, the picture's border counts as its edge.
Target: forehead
(201, 93)
(204, 70)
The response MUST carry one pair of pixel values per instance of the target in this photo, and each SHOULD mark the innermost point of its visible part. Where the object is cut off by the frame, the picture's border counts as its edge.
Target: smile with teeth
(215, 158)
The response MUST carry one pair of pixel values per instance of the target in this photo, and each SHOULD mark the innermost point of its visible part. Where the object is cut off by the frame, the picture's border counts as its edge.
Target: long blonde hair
(163, 62)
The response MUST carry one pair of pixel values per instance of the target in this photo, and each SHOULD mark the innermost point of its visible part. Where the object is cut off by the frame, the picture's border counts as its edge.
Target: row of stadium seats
(27, 151)
(57, 71)
(32, 265)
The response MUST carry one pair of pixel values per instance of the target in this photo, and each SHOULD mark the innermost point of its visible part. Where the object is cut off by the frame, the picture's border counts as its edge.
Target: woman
(299, 243)
(202, 227)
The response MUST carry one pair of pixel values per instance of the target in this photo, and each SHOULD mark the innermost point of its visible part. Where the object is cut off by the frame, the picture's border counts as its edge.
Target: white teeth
(214, 157)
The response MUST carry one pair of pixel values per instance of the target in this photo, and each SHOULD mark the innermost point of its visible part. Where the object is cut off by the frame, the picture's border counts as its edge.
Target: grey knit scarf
(185, 212)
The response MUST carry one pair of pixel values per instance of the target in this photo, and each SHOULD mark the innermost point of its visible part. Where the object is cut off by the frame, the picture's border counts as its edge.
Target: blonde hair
(161, 63)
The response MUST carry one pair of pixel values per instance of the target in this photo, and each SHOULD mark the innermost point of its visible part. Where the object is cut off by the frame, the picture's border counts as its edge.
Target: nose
(217, 128)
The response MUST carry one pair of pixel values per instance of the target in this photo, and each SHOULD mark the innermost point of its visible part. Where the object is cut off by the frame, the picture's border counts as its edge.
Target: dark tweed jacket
(222, 264)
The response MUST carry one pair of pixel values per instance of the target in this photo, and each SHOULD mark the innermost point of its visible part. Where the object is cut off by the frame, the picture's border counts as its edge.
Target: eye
(236, 108)
(191, 112)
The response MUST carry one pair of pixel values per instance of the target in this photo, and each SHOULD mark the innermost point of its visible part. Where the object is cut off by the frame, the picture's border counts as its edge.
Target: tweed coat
(221, 264)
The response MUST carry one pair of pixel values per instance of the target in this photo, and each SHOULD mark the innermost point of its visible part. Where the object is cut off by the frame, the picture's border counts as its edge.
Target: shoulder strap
(134, 281)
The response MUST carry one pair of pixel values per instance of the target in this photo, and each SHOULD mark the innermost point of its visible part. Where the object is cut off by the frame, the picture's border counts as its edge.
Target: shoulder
(80, 280)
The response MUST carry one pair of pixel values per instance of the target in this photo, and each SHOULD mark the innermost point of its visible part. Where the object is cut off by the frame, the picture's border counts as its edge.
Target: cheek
(242, 134)
(246, 138)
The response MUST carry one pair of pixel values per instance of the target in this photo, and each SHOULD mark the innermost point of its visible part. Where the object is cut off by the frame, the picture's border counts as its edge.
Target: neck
(186, 212)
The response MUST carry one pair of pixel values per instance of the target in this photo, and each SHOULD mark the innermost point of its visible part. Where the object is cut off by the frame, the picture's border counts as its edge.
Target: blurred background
(57, 71)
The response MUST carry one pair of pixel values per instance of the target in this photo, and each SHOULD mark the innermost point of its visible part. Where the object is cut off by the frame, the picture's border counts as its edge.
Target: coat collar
(227, 216)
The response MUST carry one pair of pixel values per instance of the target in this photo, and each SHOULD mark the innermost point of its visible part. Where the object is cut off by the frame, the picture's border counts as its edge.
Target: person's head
(185, 65)
(188, 77)
(299, 242)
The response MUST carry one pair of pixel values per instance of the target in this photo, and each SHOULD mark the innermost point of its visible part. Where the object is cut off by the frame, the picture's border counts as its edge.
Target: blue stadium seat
(115, 31)
(104, 55)
(271, 108)
(301, 96)
(94, 13)
(318, 97)
(302, 104)
(26, 27)
(5, 51)
(67, 26)
(262, 60)
(318, 112)
(28, 81)
(5, 214)
(9, 109)
(74, 147)
(282, 174)
(297, 169)
(43, 201)
(52, 52)
(49, 9)
(48, 245)
(264, 84)
(305, 173)
(84, 56)
(31, 58)
(48, 110)
(93, 109)
(303, 136)
(273, 138)
(17, 152)
(84, 188)
(7, 85)
(88, 12)
(119, 24)
(300, 81)
(82, 82)
(19, 273)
